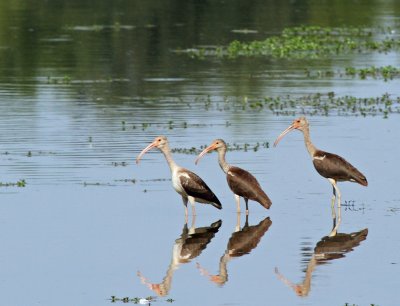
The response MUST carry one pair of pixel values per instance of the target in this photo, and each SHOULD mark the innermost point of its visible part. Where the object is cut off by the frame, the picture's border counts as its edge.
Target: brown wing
(244, 184)
(333, 166)
(195, 187)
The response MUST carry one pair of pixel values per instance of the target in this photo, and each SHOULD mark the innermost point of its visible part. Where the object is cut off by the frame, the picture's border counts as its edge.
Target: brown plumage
(195, 187)
(331, 166)
(335, 167)
(241, 182)
(244, 184)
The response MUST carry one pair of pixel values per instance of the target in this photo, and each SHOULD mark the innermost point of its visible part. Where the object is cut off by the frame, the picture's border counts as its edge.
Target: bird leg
(339, 218)
(246, 200)
(192, 202)
(237, 203)
(185, 201)
(333, 207)
(193, 227)
(237, 228)
(339, 206)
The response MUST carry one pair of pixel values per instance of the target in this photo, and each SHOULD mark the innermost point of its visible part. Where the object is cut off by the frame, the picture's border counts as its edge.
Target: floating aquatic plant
(119, 164)
(85, 184)
(306, 42)
(231, 147)
(322, 104)
(135, 300)
(385, 72)
(20, 183)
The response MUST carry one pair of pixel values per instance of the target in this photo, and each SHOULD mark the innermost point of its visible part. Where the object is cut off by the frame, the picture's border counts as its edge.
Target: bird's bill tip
(279, 138)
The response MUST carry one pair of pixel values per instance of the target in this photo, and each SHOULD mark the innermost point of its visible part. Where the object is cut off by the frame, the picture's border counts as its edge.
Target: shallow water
(84, 89)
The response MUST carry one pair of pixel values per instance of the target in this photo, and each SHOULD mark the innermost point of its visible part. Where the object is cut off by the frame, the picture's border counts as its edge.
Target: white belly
(176, 183)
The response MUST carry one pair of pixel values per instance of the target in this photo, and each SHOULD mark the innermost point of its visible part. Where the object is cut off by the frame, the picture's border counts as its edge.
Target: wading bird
(188, 184)
(242, 183)
(331, 166)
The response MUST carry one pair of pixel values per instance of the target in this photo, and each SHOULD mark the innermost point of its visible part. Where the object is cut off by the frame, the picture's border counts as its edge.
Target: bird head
(300, 123)
(217, 144)
(159, 142)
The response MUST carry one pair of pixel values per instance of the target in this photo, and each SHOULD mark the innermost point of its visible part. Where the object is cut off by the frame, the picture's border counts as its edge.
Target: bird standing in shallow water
(331, 166)
(188, 184)
(242, 183)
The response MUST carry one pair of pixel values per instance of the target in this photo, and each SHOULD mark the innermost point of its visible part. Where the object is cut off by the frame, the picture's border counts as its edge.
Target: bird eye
(159, 139)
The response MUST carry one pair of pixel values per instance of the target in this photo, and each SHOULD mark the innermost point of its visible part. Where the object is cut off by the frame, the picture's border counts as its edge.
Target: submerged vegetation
(307, 42)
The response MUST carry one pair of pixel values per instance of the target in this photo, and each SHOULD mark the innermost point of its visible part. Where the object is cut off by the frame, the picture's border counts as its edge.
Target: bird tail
(265, 201)
(360, 178)
(216, 203)
(364, 181)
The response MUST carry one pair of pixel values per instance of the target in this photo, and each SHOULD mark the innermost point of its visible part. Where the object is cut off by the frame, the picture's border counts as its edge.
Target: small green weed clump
(20, 183)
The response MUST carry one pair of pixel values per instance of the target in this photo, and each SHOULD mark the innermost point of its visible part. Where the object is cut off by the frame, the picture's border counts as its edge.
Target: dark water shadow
(241, 242)
(327, 249)
(187, 247)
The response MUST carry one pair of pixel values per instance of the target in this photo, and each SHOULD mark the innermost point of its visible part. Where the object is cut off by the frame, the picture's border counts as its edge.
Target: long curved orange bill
(290, 128)
(150, 146)
(206, 150)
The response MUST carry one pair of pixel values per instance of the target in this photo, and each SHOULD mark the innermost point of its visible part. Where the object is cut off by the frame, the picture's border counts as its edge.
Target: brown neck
(221, 159)
(309, 145)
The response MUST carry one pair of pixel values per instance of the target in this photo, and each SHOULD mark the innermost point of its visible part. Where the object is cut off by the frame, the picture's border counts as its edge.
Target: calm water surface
(83, 89)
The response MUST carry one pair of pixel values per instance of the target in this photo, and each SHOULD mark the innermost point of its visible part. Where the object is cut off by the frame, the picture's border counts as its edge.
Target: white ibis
(189, 185)
(331, 166)
(242, 183)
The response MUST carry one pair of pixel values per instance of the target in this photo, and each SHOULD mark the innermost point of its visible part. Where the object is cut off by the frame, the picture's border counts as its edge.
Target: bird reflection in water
(242, 242)
(328, 248)
(188, 246)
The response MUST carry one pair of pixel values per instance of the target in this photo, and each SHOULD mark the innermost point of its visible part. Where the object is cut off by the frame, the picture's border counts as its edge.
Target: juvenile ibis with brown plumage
(331, 166)
(241, 182)
(188, 184)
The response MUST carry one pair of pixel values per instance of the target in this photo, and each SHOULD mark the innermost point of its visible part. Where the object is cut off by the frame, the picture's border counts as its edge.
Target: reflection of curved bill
(241, 242)
(188, 246)
(327, 248)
